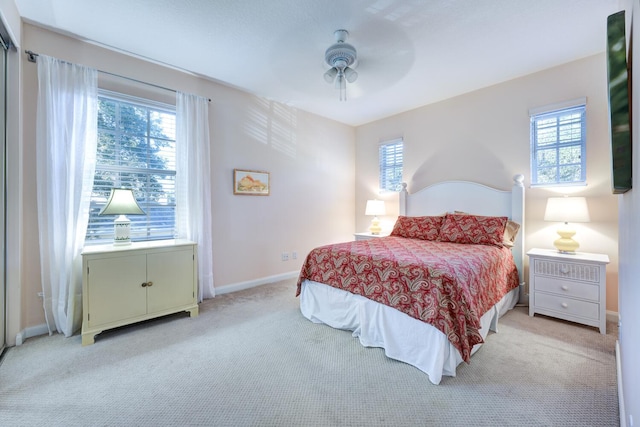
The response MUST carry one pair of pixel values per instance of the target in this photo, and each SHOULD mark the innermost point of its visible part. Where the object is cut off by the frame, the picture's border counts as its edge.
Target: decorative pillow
(475, 229)
(418, 227)
(510, 231)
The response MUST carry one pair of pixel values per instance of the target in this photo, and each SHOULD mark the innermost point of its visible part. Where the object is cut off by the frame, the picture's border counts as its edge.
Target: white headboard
(474, 198)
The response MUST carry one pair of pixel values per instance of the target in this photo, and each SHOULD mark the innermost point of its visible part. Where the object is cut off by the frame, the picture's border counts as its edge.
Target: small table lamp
(121, 202)
(566, 209)
(375, 208)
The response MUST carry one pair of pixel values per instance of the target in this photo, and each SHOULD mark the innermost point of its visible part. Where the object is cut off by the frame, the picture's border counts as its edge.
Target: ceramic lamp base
(565, 244)
(375, 226)
(122, 231)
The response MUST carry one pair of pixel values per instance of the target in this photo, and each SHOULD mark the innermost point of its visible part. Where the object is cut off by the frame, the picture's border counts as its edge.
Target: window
(558, 147)
(136, 149)
(391, 158)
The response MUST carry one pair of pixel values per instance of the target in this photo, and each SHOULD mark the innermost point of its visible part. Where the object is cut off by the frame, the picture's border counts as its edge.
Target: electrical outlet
(285, 256)
(294, 255)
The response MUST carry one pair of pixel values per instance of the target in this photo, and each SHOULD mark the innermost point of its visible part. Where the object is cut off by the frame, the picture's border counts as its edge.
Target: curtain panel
(193, 184)
(66, 137)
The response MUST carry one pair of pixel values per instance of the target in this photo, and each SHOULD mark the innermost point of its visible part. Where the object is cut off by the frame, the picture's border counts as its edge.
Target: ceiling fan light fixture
(330, 75)
(350, 74)
(341, 56)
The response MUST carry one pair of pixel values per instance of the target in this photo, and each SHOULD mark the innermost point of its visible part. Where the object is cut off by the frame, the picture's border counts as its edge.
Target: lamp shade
(567, 209)
(121, 202)
(375, 207)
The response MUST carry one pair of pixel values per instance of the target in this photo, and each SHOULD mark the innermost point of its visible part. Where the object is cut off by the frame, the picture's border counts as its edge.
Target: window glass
(391, 162)
(558, 147)
(136, 149)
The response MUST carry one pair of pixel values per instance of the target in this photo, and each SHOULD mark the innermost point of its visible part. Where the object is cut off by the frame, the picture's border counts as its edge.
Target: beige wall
(484, 136)
(310, 160)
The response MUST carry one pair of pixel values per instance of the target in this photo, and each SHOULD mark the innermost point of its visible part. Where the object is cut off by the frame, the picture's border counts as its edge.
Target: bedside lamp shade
(566, 210)
(375, 208)
(121, 202)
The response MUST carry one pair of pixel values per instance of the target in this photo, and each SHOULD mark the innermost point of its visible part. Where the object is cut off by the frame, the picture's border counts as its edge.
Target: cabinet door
(172, 277)
(115, 289)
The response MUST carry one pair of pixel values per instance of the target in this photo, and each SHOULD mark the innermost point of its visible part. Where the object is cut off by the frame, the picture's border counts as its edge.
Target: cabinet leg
(88, 339)
(193, 312)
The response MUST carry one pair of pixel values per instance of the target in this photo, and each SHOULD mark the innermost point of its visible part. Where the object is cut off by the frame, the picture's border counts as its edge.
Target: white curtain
(66, 135)
(193, 184)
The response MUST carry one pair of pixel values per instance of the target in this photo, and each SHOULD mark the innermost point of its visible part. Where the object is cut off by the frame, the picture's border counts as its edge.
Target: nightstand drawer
(567, 270)
(571, 307)
(567, 288)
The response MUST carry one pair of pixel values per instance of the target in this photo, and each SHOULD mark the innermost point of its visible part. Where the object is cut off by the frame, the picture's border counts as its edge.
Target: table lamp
(121, 202)
(566, 209)
(375, 208)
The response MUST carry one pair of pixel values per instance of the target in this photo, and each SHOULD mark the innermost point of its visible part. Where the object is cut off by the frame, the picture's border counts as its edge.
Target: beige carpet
(251, 359)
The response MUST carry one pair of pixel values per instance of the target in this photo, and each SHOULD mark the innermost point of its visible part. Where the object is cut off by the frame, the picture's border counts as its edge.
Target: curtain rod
(31, 56)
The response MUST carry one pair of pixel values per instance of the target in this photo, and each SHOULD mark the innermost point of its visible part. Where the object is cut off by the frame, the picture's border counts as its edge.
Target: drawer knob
(564, 305)
(565, 287)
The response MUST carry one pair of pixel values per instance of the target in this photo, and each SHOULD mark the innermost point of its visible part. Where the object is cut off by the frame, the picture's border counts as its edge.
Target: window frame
(384, 167)
(138, 232)
(557, 111)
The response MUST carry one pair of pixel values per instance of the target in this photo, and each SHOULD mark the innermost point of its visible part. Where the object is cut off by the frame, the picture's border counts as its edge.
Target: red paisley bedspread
(448, 285)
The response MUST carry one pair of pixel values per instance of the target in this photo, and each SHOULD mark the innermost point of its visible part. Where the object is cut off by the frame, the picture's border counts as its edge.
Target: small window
(136, 149)
(558, 147)
(391, 160)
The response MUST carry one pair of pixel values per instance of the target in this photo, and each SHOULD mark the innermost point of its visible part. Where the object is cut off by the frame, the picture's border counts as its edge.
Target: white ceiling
(410, 52)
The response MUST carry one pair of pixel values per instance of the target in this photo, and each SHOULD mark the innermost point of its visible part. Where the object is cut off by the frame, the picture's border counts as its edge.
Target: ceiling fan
(341, 57)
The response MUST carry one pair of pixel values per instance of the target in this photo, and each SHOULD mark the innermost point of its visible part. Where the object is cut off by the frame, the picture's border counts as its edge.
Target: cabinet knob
(564, 305)
(564, 287)
(144, 285)
(149, 284)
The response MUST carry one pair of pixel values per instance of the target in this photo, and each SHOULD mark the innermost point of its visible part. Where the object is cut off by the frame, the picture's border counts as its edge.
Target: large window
(136, 149)
(391, 160)
(558, 147)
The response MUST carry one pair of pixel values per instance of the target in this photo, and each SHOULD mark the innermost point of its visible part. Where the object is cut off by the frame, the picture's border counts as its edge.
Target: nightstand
(569, 287)
(368, 235)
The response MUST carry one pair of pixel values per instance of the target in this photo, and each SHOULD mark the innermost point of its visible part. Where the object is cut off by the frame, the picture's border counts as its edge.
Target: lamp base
(375, 226)
(565, 244)
(122, 231)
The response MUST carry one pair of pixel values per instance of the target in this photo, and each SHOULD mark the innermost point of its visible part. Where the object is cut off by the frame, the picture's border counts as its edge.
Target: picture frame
(251, 182)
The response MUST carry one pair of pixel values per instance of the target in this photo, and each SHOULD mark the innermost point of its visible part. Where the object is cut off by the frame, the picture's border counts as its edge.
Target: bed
(429, 301)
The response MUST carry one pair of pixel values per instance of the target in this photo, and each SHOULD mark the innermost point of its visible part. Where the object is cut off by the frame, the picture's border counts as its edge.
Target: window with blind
(136, 149)
(391, 161)
(558, 147)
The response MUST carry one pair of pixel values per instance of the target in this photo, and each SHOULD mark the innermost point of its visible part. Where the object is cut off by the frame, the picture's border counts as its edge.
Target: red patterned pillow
(418, 227)
(481, 230)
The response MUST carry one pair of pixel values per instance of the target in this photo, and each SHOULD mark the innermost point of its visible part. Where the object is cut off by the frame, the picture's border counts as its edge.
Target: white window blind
(558, 147)
(391, 163)
(136, 149)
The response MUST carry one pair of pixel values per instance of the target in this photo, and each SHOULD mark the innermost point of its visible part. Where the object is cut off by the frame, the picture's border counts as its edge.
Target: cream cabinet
(127, 284)
(570, 287)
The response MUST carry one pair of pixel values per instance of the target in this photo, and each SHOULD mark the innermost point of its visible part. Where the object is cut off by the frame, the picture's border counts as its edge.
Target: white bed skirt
(402, 337)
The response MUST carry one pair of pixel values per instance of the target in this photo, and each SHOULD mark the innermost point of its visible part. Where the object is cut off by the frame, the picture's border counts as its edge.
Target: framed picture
(251, 183)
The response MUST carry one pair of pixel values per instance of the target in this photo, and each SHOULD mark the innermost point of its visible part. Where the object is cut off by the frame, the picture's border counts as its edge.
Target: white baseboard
(234, 287)
(30, 332)
(623, 414)
(612, 316)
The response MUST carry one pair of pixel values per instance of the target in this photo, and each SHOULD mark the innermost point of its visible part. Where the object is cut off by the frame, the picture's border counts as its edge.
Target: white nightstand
(569, 287)
(368, 235)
